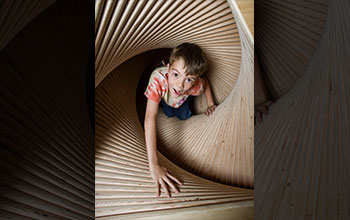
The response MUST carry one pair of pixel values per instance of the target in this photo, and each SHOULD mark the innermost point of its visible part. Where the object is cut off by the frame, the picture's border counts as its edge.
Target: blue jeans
(183, 112)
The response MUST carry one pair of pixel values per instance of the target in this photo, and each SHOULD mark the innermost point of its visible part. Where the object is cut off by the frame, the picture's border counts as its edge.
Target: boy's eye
(175, 74)
(190, 80)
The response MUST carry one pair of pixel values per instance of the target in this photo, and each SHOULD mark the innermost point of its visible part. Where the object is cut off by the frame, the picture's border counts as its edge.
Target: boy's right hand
(210, 110)
(162, 176)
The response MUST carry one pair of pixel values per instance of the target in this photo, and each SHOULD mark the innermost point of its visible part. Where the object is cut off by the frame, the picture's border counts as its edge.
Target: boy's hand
(260, 109)
(162, 176)
(210, 110)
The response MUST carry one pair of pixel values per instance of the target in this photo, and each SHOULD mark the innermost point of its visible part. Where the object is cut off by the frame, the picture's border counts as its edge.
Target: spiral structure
(129, 35)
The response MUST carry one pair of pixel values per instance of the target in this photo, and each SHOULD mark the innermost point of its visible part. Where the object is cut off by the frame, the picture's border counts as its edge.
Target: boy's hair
(193, 56)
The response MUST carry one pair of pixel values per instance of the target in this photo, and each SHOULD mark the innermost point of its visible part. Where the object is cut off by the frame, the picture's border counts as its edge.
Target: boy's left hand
(210, 110)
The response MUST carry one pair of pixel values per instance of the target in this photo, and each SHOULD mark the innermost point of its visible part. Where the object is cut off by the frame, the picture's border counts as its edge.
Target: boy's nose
(181, 84)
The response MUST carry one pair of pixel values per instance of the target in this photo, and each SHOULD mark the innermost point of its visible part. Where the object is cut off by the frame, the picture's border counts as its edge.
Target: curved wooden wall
(161, 24)
(127, 29)
(46, 153)
(287, 35)
(304, 174)
(123, 183)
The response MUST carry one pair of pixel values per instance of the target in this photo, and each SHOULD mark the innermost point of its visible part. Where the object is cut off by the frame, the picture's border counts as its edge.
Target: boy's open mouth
(177, 92)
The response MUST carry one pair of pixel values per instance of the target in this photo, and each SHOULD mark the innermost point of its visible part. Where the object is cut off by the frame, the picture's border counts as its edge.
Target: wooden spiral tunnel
(47, 126)
(218, 148)
(47, 163)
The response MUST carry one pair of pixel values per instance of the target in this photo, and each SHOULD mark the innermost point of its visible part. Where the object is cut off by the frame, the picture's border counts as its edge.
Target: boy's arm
(159, 174)
(150, 132)
(209, 98)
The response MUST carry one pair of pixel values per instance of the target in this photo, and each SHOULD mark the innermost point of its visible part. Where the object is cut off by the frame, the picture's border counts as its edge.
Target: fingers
(170, 175)
(213, 109)
(210, 110)
(166, 179)
(266, 106)
(174, 178)
(165, 188)
(262, 109)
(158, 189)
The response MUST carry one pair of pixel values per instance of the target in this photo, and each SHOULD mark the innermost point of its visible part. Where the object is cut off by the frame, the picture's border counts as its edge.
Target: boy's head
(186, 64)
(193, 57)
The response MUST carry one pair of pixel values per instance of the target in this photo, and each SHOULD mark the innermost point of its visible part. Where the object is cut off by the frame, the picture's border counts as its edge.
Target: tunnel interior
(210, 154)
(47, 50)
(47, 153)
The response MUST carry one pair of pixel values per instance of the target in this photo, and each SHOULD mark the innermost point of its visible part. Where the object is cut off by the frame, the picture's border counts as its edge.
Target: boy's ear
(168, 67)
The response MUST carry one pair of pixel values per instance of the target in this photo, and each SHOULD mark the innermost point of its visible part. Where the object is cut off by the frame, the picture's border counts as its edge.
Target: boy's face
(179, 82)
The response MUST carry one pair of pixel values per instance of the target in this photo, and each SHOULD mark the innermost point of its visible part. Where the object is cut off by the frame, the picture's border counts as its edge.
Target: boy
(173, 86)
